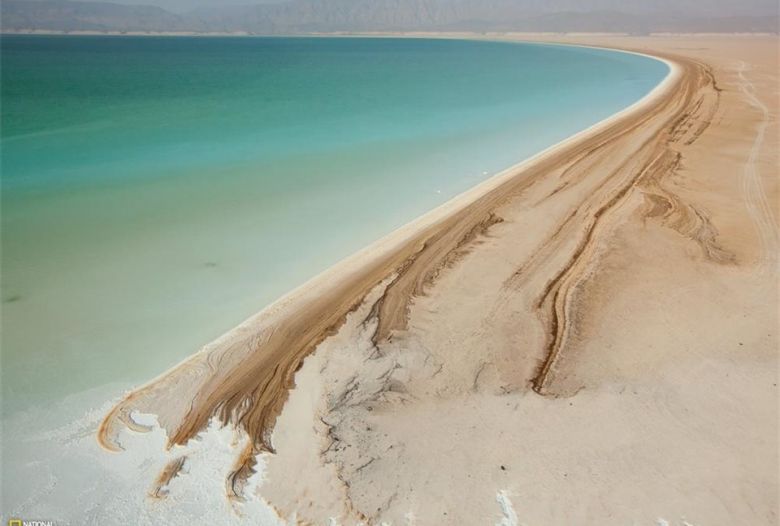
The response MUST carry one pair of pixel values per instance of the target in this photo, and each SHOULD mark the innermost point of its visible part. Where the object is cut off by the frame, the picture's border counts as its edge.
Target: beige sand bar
(590, 335)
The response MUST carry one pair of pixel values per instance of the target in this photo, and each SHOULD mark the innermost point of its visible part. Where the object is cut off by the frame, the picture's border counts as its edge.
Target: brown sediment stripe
(697, 108)
(168, 473)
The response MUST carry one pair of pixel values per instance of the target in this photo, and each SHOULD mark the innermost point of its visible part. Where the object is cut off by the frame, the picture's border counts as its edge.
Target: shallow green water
(157, 191)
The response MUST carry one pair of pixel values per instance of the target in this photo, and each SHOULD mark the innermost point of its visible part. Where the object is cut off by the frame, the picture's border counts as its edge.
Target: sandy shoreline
(369, 266)
(520, 285)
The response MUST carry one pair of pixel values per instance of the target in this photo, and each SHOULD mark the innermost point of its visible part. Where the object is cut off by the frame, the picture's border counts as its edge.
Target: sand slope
(590, 338)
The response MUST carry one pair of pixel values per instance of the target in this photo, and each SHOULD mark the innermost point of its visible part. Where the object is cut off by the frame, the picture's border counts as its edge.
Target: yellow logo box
(15, 522)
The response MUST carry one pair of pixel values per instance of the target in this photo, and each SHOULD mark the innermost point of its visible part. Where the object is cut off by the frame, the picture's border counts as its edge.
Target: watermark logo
(20, 522)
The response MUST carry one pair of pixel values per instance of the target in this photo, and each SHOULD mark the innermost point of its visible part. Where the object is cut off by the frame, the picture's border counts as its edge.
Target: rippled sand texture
(588, 339)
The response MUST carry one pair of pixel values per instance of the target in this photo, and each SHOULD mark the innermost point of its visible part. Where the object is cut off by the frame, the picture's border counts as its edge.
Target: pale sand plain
(587, 338)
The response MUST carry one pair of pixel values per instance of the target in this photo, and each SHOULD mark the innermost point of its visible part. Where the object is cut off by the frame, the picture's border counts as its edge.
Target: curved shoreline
(244, 376)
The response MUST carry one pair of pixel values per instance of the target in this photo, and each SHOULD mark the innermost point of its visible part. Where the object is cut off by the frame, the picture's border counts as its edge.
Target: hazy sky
(716, 7)
(187, 5)
(757, 6)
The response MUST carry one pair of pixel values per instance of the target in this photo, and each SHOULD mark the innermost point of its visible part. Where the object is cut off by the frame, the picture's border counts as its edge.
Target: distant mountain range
(309, 16)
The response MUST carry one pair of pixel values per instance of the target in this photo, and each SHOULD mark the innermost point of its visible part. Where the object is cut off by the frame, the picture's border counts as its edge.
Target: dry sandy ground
(588, 339)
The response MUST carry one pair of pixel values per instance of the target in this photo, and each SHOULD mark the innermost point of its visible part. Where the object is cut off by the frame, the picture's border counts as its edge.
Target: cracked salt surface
(63, 475)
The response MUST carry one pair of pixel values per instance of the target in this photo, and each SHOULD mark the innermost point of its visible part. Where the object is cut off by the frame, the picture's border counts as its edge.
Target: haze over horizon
(307, 16)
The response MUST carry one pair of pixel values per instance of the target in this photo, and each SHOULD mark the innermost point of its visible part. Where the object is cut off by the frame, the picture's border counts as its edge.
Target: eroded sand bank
(591, 336)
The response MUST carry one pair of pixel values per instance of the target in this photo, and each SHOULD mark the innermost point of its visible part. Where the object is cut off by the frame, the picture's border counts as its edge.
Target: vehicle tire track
(753, 192)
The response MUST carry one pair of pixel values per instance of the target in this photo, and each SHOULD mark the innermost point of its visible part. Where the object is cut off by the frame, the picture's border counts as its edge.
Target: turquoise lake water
(157, 191)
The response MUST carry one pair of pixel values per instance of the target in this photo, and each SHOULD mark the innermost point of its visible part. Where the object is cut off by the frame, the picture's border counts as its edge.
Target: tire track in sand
(753, 193)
